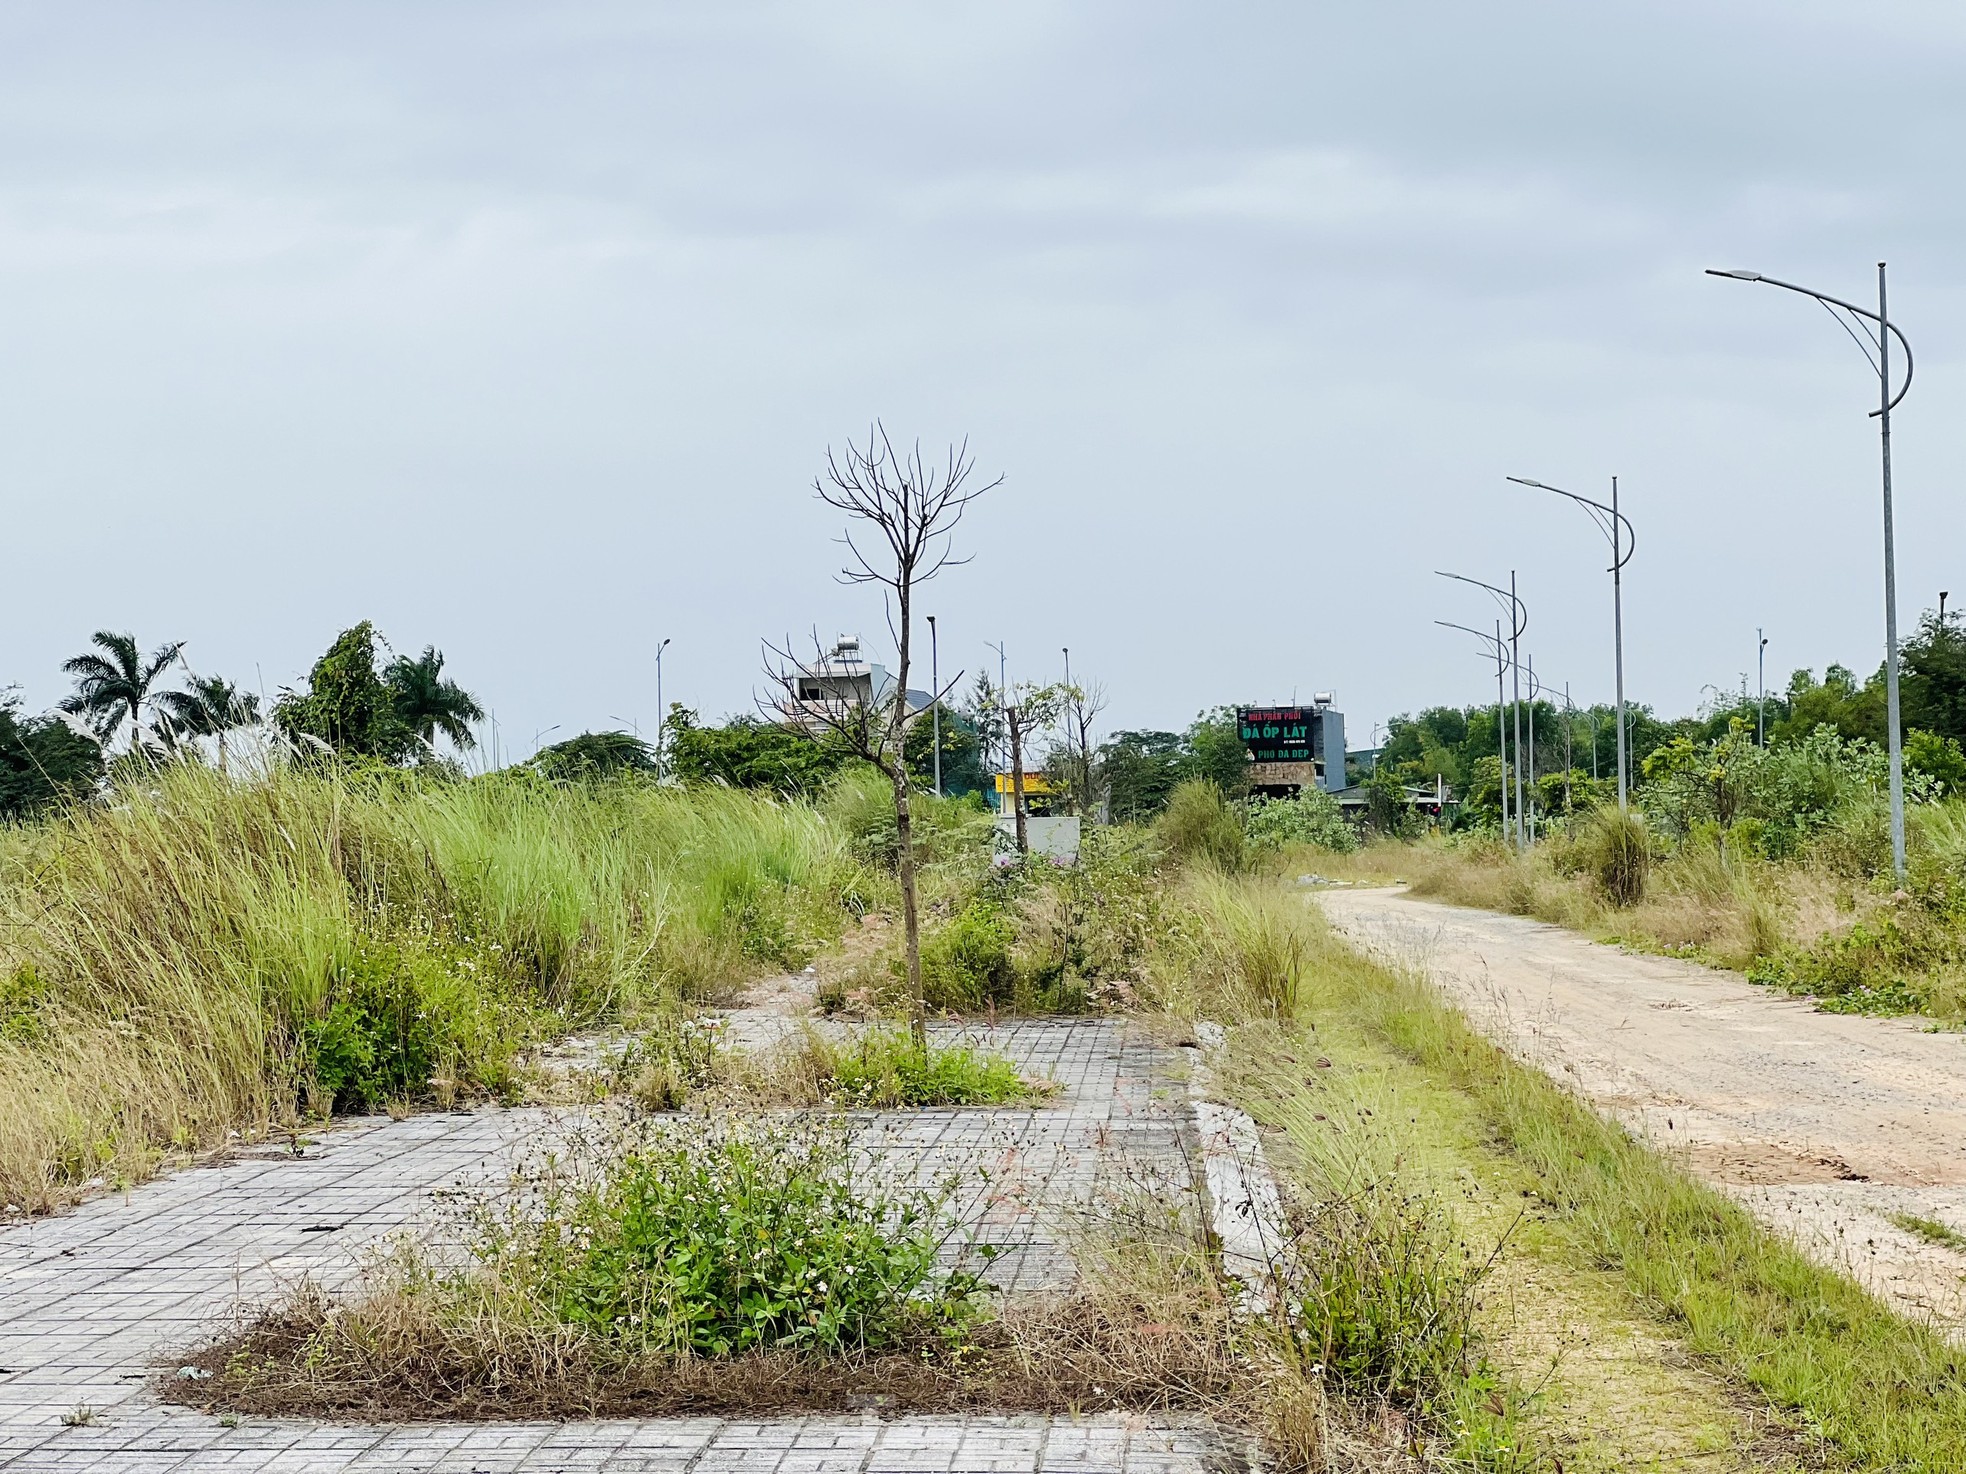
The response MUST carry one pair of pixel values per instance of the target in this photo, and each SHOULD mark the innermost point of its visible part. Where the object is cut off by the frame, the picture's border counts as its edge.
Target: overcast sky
(523, 329)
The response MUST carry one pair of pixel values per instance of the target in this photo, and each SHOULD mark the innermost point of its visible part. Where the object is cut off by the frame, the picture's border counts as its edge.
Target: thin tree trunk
(1017, 779)
(910, 917)
(904, 826)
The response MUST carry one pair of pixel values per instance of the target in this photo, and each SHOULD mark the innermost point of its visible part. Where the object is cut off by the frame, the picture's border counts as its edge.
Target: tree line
(128, 709)
(1576, 750)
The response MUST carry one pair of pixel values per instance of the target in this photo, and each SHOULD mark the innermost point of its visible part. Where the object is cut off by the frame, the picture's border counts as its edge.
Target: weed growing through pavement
(681, 1061)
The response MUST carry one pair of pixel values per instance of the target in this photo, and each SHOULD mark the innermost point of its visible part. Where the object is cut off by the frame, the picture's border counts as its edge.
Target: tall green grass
(205, 955)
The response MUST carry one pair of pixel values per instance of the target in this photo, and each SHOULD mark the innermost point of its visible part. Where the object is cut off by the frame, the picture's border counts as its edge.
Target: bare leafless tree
(1028, 709)
(1080, 705)
(901, 510)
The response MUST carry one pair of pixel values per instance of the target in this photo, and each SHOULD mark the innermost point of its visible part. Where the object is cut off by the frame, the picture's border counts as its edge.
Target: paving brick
(93, 1303)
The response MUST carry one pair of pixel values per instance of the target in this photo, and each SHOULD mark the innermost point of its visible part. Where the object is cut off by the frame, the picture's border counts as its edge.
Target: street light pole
(935, 700)
(1001, 695)
(1878, 338)
(1499, 645)
(1618, 528)
(1518, 622)
(1534, 692)
(661, 711)
(1761, 684)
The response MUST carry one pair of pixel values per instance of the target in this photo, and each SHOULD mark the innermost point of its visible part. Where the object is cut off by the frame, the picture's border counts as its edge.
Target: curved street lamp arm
(1850, 307)
(1519, 615)
(1599, 513)
(1483, 635)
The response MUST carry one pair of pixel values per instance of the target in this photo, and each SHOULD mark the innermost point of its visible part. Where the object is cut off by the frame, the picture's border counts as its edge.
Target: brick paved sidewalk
(90, 1301)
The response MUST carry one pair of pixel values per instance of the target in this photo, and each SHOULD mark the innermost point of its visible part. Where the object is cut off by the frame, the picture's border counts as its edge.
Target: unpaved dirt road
(1824, 1125)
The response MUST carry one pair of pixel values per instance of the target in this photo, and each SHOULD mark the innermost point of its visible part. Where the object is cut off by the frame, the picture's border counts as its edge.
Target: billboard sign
(1278, 734)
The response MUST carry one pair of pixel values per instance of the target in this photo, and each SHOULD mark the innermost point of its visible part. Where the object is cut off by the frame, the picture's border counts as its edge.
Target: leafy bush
(658, 1239)
(736, 1239)
(967, 964)
(1199, 824)
(43, 763)
(399, 1017)
(1312, 818)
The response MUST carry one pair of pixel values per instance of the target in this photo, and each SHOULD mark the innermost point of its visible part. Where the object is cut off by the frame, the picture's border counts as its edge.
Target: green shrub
(396, 1016)
(742, 1238)
(967, 963)
(1198, 824)
(1312, 818)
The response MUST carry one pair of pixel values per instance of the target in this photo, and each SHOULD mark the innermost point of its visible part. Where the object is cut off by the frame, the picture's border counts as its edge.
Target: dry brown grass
(399, 1360)
(1725, 909)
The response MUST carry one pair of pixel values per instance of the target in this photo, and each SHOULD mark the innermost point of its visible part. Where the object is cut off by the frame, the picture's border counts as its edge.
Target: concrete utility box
(1051, 836)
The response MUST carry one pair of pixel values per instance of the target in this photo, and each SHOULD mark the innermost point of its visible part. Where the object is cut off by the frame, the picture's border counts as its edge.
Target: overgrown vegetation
(1396, 1271)
(208, 955)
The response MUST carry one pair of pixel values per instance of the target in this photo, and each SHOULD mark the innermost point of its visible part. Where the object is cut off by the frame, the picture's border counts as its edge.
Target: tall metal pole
(1880, 339)
(1613, 524)
(1002, 754)
(1501, 725)
(1890, 587)
(1761, 688)
(1618, 640)
(1515, 691)
(935, 700)
(1530, 813)
(661, 711)
(1569, 732)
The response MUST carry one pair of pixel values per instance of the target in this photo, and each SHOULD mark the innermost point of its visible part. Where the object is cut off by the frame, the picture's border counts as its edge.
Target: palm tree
(427, 704)
(209, 706)
(116, 684)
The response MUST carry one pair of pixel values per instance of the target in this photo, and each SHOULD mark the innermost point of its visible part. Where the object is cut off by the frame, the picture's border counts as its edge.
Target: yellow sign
(1034, 783)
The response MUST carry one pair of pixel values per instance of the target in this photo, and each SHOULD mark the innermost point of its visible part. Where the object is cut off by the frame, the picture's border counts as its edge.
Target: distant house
(841, 683)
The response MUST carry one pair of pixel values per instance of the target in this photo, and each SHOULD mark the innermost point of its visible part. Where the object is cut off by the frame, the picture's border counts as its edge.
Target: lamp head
(1525, 481)
(1736, 275)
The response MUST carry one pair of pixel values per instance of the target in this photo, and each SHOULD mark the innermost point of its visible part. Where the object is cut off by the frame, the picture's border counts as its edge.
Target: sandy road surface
(1823, 1124)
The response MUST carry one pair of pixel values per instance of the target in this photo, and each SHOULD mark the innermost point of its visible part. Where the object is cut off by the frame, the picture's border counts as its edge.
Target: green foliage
(1139, 770)
(1389, 1300)
(968, 963)
(1938, 758)
(884, 1069)
(116, 684)
(426, 702)
(1932, 677)
(1312, 818)
(722, 1239)
(314, 930)
(1215, 752)
(1855, 711)
(962, 754)
(594, 757)
(208, 706)
(399, 1012)
(747, 752)
(43, 763)
(347, 706)
(1820, 792)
